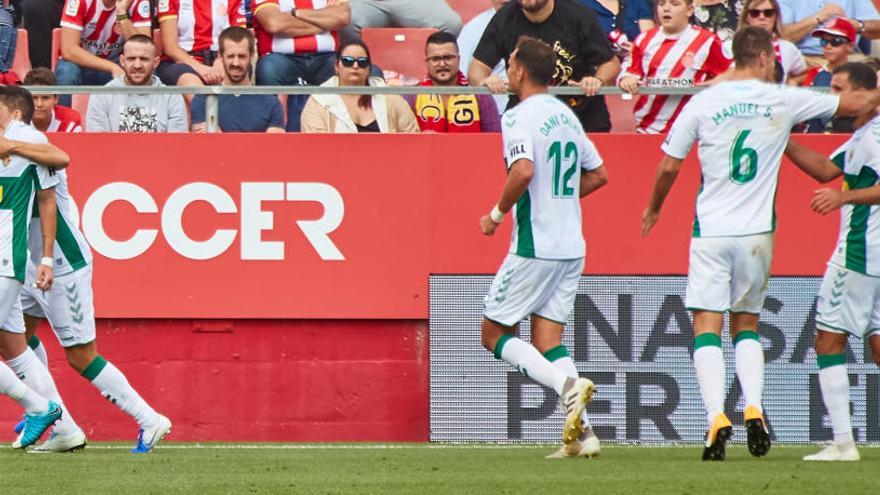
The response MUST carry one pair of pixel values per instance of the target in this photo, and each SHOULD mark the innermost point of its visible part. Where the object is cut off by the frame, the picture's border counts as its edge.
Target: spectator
(92, 34)
(240, 113)
(801, 17)
(8, 37)
(137, 113)
(584, 57)
(622, 21)
(297, 45)
(356, 113)
(49, 116)
(719, 16)
(467, 42)
(401, 13)
(451, 113)
(189, 40)
(40, 18)
(675, 55)
(765, 14)
(837, 39)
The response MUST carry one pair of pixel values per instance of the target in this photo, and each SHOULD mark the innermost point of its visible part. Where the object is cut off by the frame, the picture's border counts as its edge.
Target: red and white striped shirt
(65, 119)
(101, 34)
(323, 42)
(681, 60)
(200, 22)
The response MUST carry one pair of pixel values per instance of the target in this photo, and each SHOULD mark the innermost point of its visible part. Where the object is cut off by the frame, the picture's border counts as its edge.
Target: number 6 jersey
(547, 217)
(742, 128)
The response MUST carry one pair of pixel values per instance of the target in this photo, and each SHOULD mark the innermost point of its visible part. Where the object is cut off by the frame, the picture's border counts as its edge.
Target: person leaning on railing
(356, 113)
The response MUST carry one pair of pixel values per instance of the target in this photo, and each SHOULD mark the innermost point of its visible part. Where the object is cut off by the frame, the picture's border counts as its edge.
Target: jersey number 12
(562, 187)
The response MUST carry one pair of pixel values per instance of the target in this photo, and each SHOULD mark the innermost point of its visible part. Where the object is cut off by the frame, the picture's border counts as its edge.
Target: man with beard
(451, 113)
(240, 113)
(583, 54)
(137, 112)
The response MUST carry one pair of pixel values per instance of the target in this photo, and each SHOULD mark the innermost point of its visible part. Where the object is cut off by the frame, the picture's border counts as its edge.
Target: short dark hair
(236, 34)
(140, 38)
(749, 43)
(18, 98)
(40, 76)
(537, 58)
(441, 38)
(860, 75)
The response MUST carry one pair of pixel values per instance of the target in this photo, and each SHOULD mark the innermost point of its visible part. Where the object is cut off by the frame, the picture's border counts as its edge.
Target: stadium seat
(468, 9)
(81, 104)
(56, 47)
(401, 50)
(621, 114)
(21, 64)
(157, 40)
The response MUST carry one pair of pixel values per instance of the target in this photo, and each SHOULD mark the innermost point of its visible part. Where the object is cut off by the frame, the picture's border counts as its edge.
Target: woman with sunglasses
(765, 15)
(350, 113)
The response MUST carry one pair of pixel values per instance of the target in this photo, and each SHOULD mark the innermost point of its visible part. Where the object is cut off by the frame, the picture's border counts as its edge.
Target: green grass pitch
(427, 468)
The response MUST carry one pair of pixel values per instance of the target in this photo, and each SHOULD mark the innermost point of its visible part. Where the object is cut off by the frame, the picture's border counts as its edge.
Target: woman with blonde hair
(765, 14)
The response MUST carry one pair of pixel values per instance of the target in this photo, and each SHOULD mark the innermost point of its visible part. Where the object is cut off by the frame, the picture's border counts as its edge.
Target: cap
(837, 27)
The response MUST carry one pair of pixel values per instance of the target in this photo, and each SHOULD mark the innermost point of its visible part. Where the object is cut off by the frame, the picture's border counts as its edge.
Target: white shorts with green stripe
(68, 305)
(849, 302)
(527, 286)
(10, 305)
(729, 273)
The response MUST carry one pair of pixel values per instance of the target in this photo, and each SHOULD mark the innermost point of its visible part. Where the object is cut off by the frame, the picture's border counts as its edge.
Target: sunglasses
(349, 61)
(755, 13)
(835, 42)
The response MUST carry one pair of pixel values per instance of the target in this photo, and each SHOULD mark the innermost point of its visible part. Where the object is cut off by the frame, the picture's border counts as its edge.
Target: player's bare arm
(47, 154)
(667, 172)
(592, 180)
(858, 102)
(829, 200)
(812, 163)
(518, 180)
(48, 223)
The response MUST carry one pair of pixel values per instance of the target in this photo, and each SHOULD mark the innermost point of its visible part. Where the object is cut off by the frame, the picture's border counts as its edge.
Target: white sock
(15, 389)
(835, 393)
(529, 361)
(32, 372)
(750, 367)
(40, 350)
(709, 363)
(566, 364)
(113, 385)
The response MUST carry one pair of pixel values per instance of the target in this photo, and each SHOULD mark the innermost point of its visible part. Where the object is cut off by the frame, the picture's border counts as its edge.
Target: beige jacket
(327, 113)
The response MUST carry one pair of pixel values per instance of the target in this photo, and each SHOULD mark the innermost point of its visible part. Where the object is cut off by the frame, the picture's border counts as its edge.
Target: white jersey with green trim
(742, 128)
(547, 217)
(858, 245)
(20, 179)
(71, 251)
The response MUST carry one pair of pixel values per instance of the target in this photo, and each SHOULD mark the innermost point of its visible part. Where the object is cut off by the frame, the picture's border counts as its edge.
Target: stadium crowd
(632, 44)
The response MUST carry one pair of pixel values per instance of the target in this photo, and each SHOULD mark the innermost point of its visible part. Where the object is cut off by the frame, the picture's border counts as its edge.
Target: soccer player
(21, 182)
(546, 151)
(849, 298)
(742, 126)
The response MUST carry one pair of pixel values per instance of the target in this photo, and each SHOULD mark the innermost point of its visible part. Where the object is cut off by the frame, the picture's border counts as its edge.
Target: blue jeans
(8, 41)
(70, 74)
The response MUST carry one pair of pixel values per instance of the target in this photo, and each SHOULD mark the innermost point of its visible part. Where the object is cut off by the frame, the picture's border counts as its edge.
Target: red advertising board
(306, 226)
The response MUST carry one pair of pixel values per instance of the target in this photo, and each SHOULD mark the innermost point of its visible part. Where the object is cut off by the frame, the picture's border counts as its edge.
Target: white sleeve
(682, 134)
(46, 178)
(591, 160)
(517, 142)
(808, 105)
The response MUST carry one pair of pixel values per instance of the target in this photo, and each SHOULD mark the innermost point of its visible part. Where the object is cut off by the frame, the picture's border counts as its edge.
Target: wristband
(496, 215)
(46, 261)
(861, 29)
(122, 17)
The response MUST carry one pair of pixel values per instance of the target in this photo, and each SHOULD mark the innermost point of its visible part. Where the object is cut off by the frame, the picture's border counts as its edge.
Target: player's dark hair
(537, 58)
(18, 98)
(441, 38)
(748, 45)
(40, 76)
(236, 34)
(860, 75)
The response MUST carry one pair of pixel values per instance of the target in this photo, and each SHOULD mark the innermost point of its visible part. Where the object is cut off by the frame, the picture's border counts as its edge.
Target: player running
(545, 150)
(742, 126)
(849, 298)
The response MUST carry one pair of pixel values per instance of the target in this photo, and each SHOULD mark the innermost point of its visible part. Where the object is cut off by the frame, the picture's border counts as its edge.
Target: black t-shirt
(576, 37)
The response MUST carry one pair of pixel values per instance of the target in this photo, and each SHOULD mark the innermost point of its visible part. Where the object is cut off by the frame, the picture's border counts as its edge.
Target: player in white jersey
(21, 182)
(742, 126)
(551, 165)
(849, 298)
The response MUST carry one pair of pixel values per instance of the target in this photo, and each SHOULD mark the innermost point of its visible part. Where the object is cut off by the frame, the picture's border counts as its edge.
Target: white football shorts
(526, 286)
(10, 305)
(729, 273)
(849, 302)
(68, 305)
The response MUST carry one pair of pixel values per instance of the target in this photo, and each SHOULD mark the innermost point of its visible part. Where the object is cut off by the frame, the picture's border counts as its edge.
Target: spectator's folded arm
(274, 21)
(331, 18)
